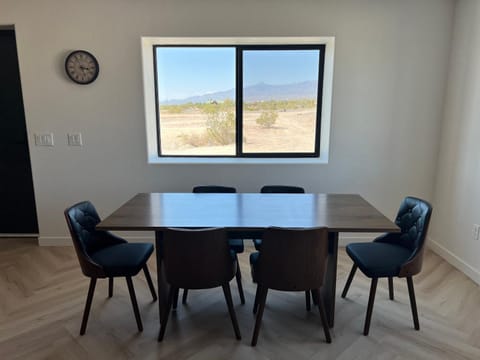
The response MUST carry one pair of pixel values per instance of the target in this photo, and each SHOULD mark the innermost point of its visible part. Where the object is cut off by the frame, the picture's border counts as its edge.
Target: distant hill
(257, 92)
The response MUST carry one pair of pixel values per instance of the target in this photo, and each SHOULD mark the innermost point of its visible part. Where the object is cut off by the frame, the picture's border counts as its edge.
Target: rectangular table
(247, 216)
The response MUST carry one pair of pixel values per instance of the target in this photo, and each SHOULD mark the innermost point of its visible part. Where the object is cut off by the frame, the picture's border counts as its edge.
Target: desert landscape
(208, 129)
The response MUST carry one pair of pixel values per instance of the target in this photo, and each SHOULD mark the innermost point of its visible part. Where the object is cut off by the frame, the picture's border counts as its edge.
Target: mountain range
(257, 92)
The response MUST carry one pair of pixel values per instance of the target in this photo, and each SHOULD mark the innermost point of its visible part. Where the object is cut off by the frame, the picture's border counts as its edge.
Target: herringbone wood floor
(42, 295)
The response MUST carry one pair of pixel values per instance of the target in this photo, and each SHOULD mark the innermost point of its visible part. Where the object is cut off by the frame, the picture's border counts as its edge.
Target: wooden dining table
(246, 216)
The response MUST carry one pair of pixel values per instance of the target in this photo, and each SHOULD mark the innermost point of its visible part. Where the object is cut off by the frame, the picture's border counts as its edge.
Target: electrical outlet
(44, 139)
(476, 232)
(74, 139)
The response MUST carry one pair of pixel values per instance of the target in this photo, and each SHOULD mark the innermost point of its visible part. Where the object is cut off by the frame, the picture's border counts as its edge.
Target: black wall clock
(81, 67)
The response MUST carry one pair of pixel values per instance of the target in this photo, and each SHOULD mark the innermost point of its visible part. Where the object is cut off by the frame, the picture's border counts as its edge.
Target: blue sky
(187, 71)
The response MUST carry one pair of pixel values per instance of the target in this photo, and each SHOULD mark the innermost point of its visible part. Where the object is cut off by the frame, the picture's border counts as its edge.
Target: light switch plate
(44, 139)
(74, 139)
(476, 232)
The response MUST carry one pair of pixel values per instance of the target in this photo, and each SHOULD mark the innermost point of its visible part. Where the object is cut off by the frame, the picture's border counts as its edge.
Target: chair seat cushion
(253, 264)
(236, 245)
(123, 259)
(257, 243)
(378, 259)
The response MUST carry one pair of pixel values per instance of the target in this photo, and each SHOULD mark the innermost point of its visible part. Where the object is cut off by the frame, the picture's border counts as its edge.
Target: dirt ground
(294, 131)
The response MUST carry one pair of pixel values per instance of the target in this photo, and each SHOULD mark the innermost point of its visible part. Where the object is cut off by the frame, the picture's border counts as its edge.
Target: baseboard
(347, 238)
(454, 260)
(343, 240)
(67, 241)
(27, 235)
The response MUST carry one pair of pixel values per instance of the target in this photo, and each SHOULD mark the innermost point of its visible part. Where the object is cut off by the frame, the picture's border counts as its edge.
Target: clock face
(81, 67)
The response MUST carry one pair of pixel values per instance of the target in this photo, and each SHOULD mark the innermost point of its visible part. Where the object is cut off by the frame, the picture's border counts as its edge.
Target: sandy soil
(294, 131)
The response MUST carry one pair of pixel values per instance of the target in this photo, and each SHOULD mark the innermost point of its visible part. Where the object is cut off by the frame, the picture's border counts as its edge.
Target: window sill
(236, 161)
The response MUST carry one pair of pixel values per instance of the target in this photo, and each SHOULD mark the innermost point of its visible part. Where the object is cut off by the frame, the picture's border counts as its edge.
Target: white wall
(391, 58)
(457, 193)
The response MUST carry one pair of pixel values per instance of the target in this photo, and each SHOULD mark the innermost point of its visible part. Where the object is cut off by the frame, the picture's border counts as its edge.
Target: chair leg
(231, 310)
(88, 304)
(255, 304)
(149, 282)
(413, 303)
(238, 276)
(390, 288)
(175, 300)
(315, 297)
(163, 325)
(371, 300)
(110, 287)
(323, 316)
(133, 298)
(349, 280)
(307, 300)
(184, 297)
(262, 298)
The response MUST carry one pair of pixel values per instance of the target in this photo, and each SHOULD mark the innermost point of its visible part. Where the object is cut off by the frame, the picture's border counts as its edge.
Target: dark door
(17, 201)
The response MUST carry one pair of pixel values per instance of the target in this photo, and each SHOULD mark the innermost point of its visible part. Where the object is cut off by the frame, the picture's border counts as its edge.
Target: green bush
(220, 125)
(194, 139)
(267, 119)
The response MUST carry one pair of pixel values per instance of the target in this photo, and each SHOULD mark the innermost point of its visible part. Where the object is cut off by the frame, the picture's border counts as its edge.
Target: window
(237, 98)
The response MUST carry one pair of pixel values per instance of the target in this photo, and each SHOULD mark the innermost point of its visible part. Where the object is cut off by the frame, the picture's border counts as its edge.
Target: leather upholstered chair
(103, 255)
(198, 259)
(290, 260)
(394, 254)
(236, 245)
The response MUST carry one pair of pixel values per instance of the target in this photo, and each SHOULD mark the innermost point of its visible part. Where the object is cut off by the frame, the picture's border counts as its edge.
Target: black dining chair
(282, 189)
(198, 259)
(236, 245)
(104, 255)
(394, 254)
(277, 189)
(290, 260)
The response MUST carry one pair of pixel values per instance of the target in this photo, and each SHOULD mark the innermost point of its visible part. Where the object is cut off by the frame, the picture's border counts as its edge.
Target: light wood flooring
(42, 295)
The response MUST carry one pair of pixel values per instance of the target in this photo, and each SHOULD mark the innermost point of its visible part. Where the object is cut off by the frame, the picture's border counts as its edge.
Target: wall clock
(81, 67)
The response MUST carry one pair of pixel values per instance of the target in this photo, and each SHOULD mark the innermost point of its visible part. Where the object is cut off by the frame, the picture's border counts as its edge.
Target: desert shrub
(172, 109)
(267, 119)
(279, 105)
(221, 127)
(220, 122)
(195, 139)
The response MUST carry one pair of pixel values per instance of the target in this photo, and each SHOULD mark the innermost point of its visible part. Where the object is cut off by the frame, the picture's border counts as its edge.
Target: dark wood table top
(244, 211)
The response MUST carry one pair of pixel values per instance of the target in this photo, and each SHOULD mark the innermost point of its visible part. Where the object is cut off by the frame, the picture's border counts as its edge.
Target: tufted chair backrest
(81, 220)
(413, 218)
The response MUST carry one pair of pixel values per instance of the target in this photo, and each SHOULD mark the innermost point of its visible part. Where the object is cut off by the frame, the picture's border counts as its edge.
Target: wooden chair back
(293, 260)
(198, 258)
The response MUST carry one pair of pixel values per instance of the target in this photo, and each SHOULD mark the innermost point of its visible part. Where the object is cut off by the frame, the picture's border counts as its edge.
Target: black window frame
(239, 99)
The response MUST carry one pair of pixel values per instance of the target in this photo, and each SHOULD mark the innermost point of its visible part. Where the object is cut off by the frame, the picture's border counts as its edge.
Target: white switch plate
(44, 139)
(476, 232)
(74, 139)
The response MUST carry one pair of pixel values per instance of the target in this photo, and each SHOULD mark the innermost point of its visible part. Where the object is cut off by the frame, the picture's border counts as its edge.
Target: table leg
(162, 284)
(328, 292)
